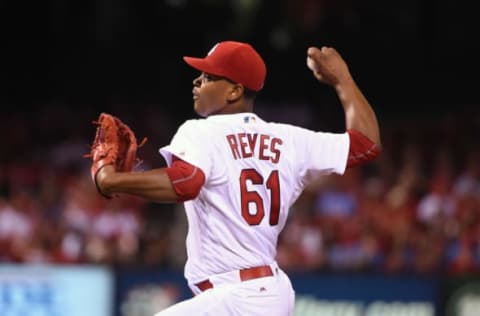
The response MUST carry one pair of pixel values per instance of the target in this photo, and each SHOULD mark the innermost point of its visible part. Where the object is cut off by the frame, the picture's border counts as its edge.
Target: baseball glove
(114, 144)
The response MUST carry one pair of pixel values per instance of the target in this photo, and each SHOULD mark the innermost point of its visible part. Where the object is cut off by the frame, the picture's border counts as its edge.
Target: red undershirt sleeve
(187, 179)
(362, 149)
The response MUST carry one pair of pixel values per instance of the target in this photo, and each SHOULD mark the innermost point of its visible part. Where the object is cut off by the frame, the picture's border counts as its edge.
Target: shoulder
(191, 123)
(289, 128)
(194, 130)
(296, 129)
(191, 126)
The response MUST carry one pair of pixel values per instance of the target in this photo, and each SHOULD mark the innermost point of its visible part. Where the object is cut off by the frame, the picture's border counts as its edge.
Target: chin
(200, 112)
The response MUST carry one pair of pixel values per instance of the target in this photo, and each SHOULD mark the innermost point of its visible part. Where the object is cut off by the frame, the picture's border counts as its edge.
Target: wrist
(344, 84)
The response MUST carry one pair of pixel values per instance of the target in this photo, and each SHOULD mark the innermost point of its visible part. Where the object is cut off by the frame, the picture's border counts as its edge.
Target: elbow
(187, 195)
(362, 158)
(362, 150)
(189, 190)
(187, 180)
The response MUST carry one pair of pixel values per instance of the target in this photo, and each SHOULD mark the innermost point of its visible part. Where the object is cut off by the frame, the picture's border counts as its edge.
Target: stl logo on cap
(212, 49)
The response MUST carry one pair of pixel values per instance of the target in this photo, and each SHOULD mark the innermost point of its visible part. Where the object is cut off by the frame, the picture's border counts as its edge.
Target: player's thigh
(209, 303)
(265, 296)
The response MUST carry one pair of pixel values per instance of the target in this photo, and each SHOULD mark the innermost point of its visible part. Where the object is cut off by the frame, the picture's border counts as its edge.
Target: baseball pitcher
(238, 176)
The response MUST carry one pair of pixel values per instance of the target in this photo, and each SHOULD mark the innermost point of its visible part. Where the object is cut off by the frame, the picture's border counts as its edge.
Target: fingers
(315, 58)
(315, 52)
(311, 51)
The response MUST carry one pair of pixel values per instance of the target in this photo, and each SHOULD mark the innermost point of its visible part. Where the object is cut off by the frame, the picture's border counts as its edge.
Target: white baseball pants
(271, 295)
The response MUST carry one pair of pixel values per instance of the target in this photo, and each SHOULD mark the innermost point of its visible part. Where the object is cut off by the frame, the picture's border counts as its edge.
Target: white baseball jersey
(254, 171)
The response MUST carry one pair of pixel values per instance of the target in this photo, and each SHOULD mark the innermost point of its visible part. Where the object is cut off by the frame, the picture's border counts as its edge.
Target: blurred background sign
(364, 295)
(55, 291)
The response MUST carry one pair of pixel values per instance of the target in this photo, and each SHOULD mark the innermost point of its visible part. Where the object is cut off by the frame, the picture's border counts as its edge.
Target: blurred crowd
(416, 209)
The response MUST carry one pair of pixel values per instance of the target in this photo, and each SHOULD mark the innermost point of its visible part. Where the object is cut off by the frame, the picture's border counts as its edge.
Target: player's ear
(235, 92)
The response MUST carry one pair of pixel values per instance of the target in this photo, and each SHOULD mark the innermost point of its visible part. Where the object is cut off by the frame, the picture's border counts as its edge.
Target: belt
(245, 274)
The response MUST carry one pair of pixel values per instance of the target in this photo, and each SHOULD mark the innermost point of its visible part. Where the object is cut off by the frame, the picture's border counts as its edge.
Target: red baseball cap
(236, 61)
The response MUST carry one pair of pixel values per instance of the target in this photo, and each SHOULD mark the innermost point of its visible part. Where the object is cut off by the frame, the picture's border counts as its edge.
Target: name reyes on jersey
(261, 146)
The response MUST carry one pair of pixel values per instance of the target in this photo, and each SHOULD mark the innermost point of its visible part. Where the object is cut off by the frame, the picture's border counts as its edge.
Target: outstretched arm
(154, 184)
(329, 67)
(177, 183)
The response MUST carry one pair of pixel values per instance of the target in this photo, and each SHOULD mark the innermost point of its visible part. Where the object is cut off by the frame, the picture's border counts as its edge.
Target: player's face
(210, 94)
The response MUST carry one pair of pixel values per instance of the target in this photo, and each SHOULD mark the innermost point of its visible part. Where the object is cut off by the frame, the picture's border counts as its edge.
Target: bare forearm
(359, 115)
(154, 184)
(329, 67)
